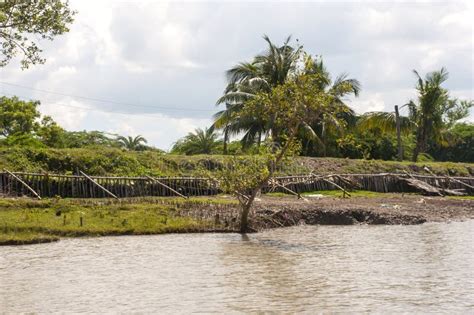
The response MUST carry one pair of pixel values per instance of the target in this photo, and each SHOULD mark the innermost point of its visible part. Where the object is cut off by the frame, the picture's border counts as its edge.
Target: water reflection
(425, 268)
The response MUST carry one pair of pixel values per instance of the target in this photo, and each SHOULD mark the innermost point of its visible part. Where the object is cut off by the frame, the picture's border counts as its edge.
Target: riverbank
(27, 221)
(117, 162)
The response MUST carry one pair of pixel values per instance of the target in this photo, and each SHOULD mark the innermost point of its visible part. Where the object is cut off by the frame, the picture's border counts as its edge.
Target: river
(422, 268)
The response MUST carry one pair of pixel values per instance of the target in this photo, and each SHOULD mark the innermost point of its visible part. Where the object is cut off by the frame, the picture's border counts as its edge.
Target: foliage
(430, 116)
(22, 22)
(291, 105)
(435, 111)
(132, 144)
(198, 142)
(17, 116)
(278, 65)
(51, 134)
(22, 140)
(459, 145)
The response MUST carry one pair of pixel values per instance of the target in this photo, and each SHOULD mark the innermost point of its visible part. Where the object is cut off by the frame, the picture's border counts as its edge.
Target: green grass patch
(338, 193)
(29, 219)
(12, 237)
(461, 197)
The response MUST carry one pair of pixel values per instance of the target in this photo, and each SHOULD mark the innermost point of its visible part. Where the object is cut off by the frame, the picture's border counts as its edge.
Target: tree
(18, 116)
(386, 123)
(459, 144)
(246, 80)
(22, 21)
(130, 143)
(292, 104)
(430, 117)
(278, 65)
(435, 110)
(198, 142)
(80, 139)
(316, 135)
(51, 134)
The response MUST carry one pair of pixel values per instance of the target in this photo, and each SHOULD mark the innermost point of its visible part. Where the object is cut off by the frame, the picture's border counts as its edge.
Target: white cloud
(174, 54)
(67, 116)
(369, 103)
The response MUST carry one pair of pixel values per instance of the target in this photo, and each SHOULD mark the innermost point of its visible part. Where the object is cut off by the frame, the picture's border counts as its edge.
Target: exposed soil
(270, 212)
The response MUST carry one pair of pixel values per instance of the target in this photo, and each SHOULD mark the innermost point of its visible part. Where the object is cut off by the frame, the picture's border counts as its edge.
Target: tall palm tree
(268, 70)
(245, 80)
(428, 113)
(429, 117)
(341, 113)
(198, 142)
(131, 143)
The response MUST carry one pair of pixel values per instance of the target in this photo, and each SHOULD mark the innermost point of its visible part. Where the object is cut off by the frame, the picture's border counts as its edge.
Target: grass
(358, 194)
(24, 238)
(461, 197)
(336, 193)
(25, 221)
(113, 161)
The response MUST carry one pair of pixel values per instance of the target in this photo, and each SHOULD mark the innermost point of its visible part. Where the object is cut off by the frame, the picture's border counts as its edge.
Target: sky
(156, 69)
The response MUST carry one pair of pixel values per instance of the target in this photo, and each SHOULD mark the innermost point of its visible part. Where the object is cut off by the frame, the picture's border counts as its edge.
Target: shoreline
(28, 221)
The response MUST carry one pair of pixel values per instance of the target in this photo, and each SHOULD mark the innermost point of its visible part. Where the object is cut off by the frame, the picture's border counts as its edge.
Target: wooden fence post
(166, 186)
(23, 183)
(98, 185)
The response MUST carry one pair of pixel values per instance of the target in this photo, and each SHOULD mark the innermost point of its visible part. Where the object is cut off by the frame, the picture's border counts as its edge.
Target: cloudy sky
(156, 68)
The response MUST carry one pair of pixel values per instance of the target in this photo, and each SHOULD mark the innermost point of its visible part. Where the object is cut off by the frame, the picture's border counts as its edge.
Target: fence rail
(80, 186)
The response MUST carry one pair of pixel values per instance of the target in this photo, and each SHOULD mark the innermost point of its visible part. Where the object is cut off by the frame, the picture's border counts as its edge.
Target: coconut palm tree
(430, 115)
(245, 80)
(130, 143)
(341, 114)
(201, 141)
(268, 70)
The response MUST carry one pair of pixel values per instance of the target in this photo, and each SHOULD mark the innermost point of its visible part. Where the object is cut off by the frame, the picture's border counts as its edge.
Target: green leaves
(130, 143)
(17, 116)
(200, 142)
(21, 20)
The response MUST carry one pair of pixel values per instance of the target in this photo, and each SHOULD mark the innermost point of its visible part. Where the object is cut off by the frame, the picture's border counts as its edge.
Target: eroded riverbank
(373, 209)
(26, 221)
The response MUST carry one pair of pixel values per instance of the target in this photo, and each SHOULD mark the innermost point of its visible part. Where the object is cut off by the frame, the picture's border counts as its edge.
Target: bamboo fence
(85, 186)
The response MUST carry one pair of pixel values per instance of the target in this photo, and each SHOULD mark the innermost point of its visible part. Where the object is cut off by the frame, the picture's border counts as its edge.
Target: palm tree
(198, 142)
(428, 113)
(245, 80)
(275, 67)
(341, 114)
(429, 117)
(130, 143)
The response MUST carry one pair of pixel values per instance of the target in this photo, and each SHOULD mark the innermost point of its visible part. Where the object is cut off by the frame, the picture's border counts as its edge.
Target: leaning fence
(85, 186)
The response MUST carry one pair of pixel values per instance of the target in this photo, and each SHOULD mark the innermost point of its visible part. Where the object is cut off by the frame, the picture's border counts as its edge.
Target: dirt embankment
(393, 209)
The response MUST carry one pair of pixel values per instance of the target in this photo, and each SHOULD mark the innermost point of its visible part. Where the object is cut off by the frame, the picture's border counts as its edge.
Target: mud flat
(388, 209)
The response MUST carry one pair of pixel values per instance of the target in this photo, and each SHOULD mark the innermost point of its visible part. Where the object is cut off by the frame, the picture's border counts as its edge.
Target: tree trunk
(244, 218)
(399, 137)
(247, 205)
(323, 139)
(419, 146)
(226, 139)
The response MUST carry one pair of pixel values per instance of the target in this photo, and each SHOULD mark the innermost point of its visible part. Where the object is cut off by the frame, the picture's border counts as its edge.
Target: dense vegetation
(431, 129)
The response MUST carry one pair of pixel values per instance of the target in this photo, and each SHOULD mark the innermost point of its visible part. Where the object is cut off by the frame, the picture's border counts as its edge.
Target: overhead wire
(106, 101)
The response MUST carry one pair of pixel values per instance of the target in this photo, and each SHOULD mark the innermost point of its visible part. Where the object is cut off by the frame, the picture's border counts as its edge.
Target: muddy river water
(422, 268)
